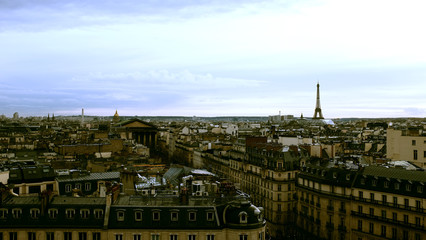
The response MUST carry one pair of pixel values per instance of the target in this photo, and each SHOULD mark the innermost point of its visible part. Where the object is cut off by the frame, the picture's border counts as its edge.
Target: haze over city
(213, 58)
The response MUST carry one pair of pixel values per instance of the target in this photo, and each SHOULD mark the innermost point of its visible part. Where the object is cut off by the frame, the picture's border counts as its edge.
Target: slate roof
(89, 177)
(397, 173)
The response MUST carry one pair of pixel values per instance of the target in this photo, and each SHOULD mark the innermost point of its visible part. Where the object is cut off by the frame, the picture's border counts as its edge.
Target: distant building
(407, 144)
(116, 117)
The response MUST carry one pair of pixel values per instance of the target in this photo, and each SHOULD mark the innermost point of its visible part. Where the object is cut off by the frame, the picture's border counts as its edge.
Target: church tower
(318, 112)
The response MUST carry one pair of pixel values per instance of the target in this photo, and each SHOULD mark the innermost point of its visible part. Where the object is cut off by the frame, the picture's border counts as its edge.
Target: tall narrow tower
(318, 113)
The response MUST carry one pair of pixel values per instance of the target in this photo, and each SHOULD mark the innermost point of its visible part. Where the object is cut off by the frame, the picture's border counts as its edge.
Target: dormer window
(348, 177)
(68, 188)
(420, 189)
(334, 175)
(374, 182)
(78, 186)
(53, 213)
(99, 213)
(16, 213)
(396, 186)
(84, 213)
(120, 215)
(408, 187)
(243, 217)
(174, 216)
(192, 216)
(3, 213)
(210, 216)
(87, 187)
(138, 215)
(156, 216)
(386, 184)
(323, 173)
(70, 213)
(34, 213)
(362, 181)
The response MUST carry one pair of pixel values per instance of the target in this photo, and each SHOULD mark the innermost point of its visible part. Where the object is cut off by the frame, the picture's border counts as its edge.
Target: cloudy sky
(213, 58)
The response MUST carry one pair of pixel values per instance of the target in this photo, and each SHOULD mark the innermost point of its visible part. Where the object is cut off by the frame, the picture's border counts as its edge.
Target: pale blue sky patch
(213, 57)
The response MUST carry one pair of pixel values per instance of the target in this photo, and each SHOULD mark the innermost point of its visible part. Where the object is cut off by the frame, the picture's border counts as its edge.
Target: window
(386, 184)
(156, 216)
(395, 201)
(361, 194)
(413, 142)
(138, 216)
(383, 213)
(70, 213)
(210, 216)
(67, 235)
(372, 196)
(120, 216)
(82, 236)
(174, 216)
(99, 213)
(417, 221)
(384, 199)
(374, 182)
(137, 237)
(119, 236)
(418, 204)
(405, 235)
(424, 154)
(78, 186)
(68, 188)
(31, 236)
(34, 213)
(192, 216)
(1, 235)
(406, 202)
(50, 236)
(396, 186)
(173, 237)
(415, 154)
(383, 231)
(360, 225)
(243, 237)
(362, 181)
(279, 187)
(210, 237)
(279, 197)
(155, 236)
(408, 187)
(405, 218)
(420, 189)
(84, 213)
(3, 213)
(96, 236)
(394, 216)
(192, 237)
(359, 209)
(53, 213)
(261, 236)
(16, 213)
(13, 236)
(371, 229)
(371, 211)
(243, 217)
(394, 233)
(87, 187)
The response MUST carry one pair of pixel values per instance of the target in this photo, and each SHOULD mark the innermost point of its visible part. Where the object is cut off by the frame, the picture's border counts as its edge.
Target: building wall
(402, 147)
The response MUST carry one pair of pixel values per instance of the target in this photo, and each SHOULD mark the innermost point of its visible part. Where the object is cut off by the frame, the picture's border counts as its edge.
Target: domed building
(116, 117)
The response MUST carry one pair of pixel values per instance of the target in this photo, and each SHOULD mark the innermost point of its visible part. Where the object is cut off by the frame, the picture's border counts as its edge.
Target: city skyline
(213, 58)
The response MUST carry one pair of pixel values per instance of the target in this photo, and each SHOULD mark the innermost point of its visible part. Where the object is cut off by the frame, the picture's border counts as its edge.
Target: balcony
(329, 225)
(342, 210)
(330, 208)
(388, 220)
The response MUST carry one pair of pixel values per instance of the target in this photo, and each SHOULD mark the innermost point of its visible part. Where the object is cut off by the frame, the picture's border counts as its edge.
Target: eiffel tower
(318, 113)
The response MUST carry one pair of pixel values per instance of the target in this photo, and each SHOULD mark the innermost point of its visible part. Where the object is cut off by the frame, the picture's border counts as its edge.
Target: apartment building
(408, 145)
(351, 202)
